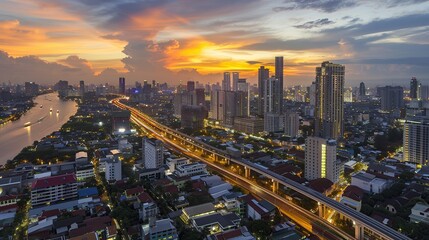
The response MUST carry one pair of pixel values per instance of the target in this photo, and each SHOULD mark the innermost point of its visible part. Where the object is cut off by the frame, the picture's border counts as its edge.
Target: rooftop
(53, 181)
(199, 209)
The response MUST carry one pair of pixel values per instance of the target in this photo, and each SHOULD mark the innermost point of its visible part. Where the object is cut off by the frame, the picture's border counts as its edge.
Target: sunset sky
(380, 42)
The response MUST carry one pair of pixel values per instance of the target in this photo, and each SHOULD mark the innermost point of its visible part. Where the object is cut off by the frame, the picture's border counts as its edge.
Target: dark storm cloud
(253, 62)
(320, 5)
(315, 24)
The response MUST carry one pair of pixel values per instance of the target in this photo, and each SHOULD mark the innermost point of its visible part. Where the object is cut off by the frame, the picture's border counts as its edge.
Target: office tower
(190, 86)
(291, 124)
(279, 76)
(414, 88)
(226, 82)
(263, 74)
(62, 87)
(82, 88)
(153, 153)
(235, 77)
(217, 103)
(416, 140)
(122, 85)
(362, 89)
(329, 109)
(321, 159)
(392, 98)
(199, 97)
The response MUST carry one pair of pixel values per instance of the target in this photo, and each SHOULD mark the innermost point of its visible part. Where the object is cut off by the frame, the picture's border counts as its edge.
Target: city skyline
(98, 41)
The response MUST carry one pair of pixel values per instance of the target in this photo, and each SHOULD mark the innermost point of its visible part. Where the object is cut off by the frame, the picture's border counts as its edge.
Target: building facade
(53, 189)
(329, 109)
(153, 153)
(416, 140)
(321, 159)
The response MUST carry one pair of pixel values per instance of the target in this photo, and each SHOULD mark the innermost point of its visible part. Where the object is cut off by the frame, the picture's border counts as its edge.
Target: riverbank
(35, 124)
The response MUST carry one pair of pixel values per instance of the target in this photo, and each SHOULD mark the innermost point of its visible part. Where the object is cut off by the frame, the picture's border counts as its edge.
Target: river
(14, 136)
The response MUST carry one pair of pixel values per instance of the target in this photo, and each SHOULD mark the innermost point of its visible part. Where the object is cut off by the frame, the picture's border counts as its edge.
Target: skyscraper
(82, 88)
(291, 124)
(362, 89)
(414, 85)
(121, 85)
(392, 97)
(321, 159)
(279, 76)
(416, 140)
(271, 95)
(329, 109)
(235, 77)
(263, 73)
(226, 82)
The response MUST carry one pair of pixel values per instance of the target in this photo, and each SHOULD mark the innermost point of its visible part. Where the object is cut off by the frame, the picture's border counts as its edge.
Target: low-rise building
(53, 189)
(216, 222)
(420, 213)
(191, 169)
(113, 170)
(84, 171)
(352, 197)
(369, 182)
(163, 229)
(197, 211)
(249, 125)
(147, 207)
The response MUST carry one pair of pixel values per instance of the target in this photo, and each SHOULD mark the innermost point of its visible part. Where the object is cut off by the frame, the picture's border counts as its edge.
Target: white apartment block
(321, 159)
(153, 153)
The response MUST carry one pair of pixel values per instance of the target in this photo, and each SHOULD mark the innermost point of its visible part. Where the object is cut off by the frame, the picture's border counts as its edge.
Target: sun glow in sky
(380, 42)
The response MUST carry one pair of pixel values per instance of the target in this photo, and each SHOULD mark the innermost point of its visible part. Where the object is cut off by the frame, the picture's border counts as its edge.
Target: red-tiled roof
(171, 189)
(50, 213)
(8, 197)
(320, 184)
(228, 235)
(134, 191)
(53, 181)
(144, 197)
(353, 192)
(9, 208)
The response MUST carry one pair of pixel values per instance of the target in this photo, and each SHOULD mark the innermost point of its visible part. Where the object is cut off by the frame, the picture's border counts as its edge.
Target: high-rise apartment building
(329, 109)
(321, 159)
(414, 85)
(291, 124)
(271, 96)
(121, 85)
(226, 82)
(416, 140)
(217, 104)
(279, 75)
(392, 97)
(153, 153)
(263, 74)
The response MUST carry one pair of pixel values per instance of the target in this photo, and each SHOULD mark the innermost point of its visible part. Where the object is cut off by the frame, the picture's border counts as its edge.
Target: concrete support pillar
(359, 231)
(227, 162)
(275, 186)
(247, 172)
(322, 210)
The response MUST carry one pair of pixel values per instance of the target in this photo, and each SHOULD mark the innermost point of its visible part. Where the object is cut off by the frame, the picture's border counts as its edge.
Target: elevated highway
(365, 227)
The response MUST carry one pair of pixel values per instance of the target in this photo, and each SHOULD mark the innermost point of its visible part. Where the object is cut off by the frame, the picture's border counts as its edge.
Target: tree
(260, 228)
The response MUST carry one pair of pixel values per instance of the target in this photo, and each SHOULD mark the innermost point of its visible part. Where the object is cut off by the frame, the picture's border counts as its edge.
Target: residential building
(217, 105)
(192, 117)
(369, 182)
(121, 121)
(291, 124)
(53, 189)
(113, 168)
(279, 75)
(174, 162)
(163, 229)
(420, 213)
(235, 77)
(352, 197)
(249, 125)
(273, 122)
(190, 213)
(416, 140)
(329, 109)
(321, 159)
(392, 98)
(153, 153)
(190, 86)
(263, 74)
(216, 222)
(148, 207)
